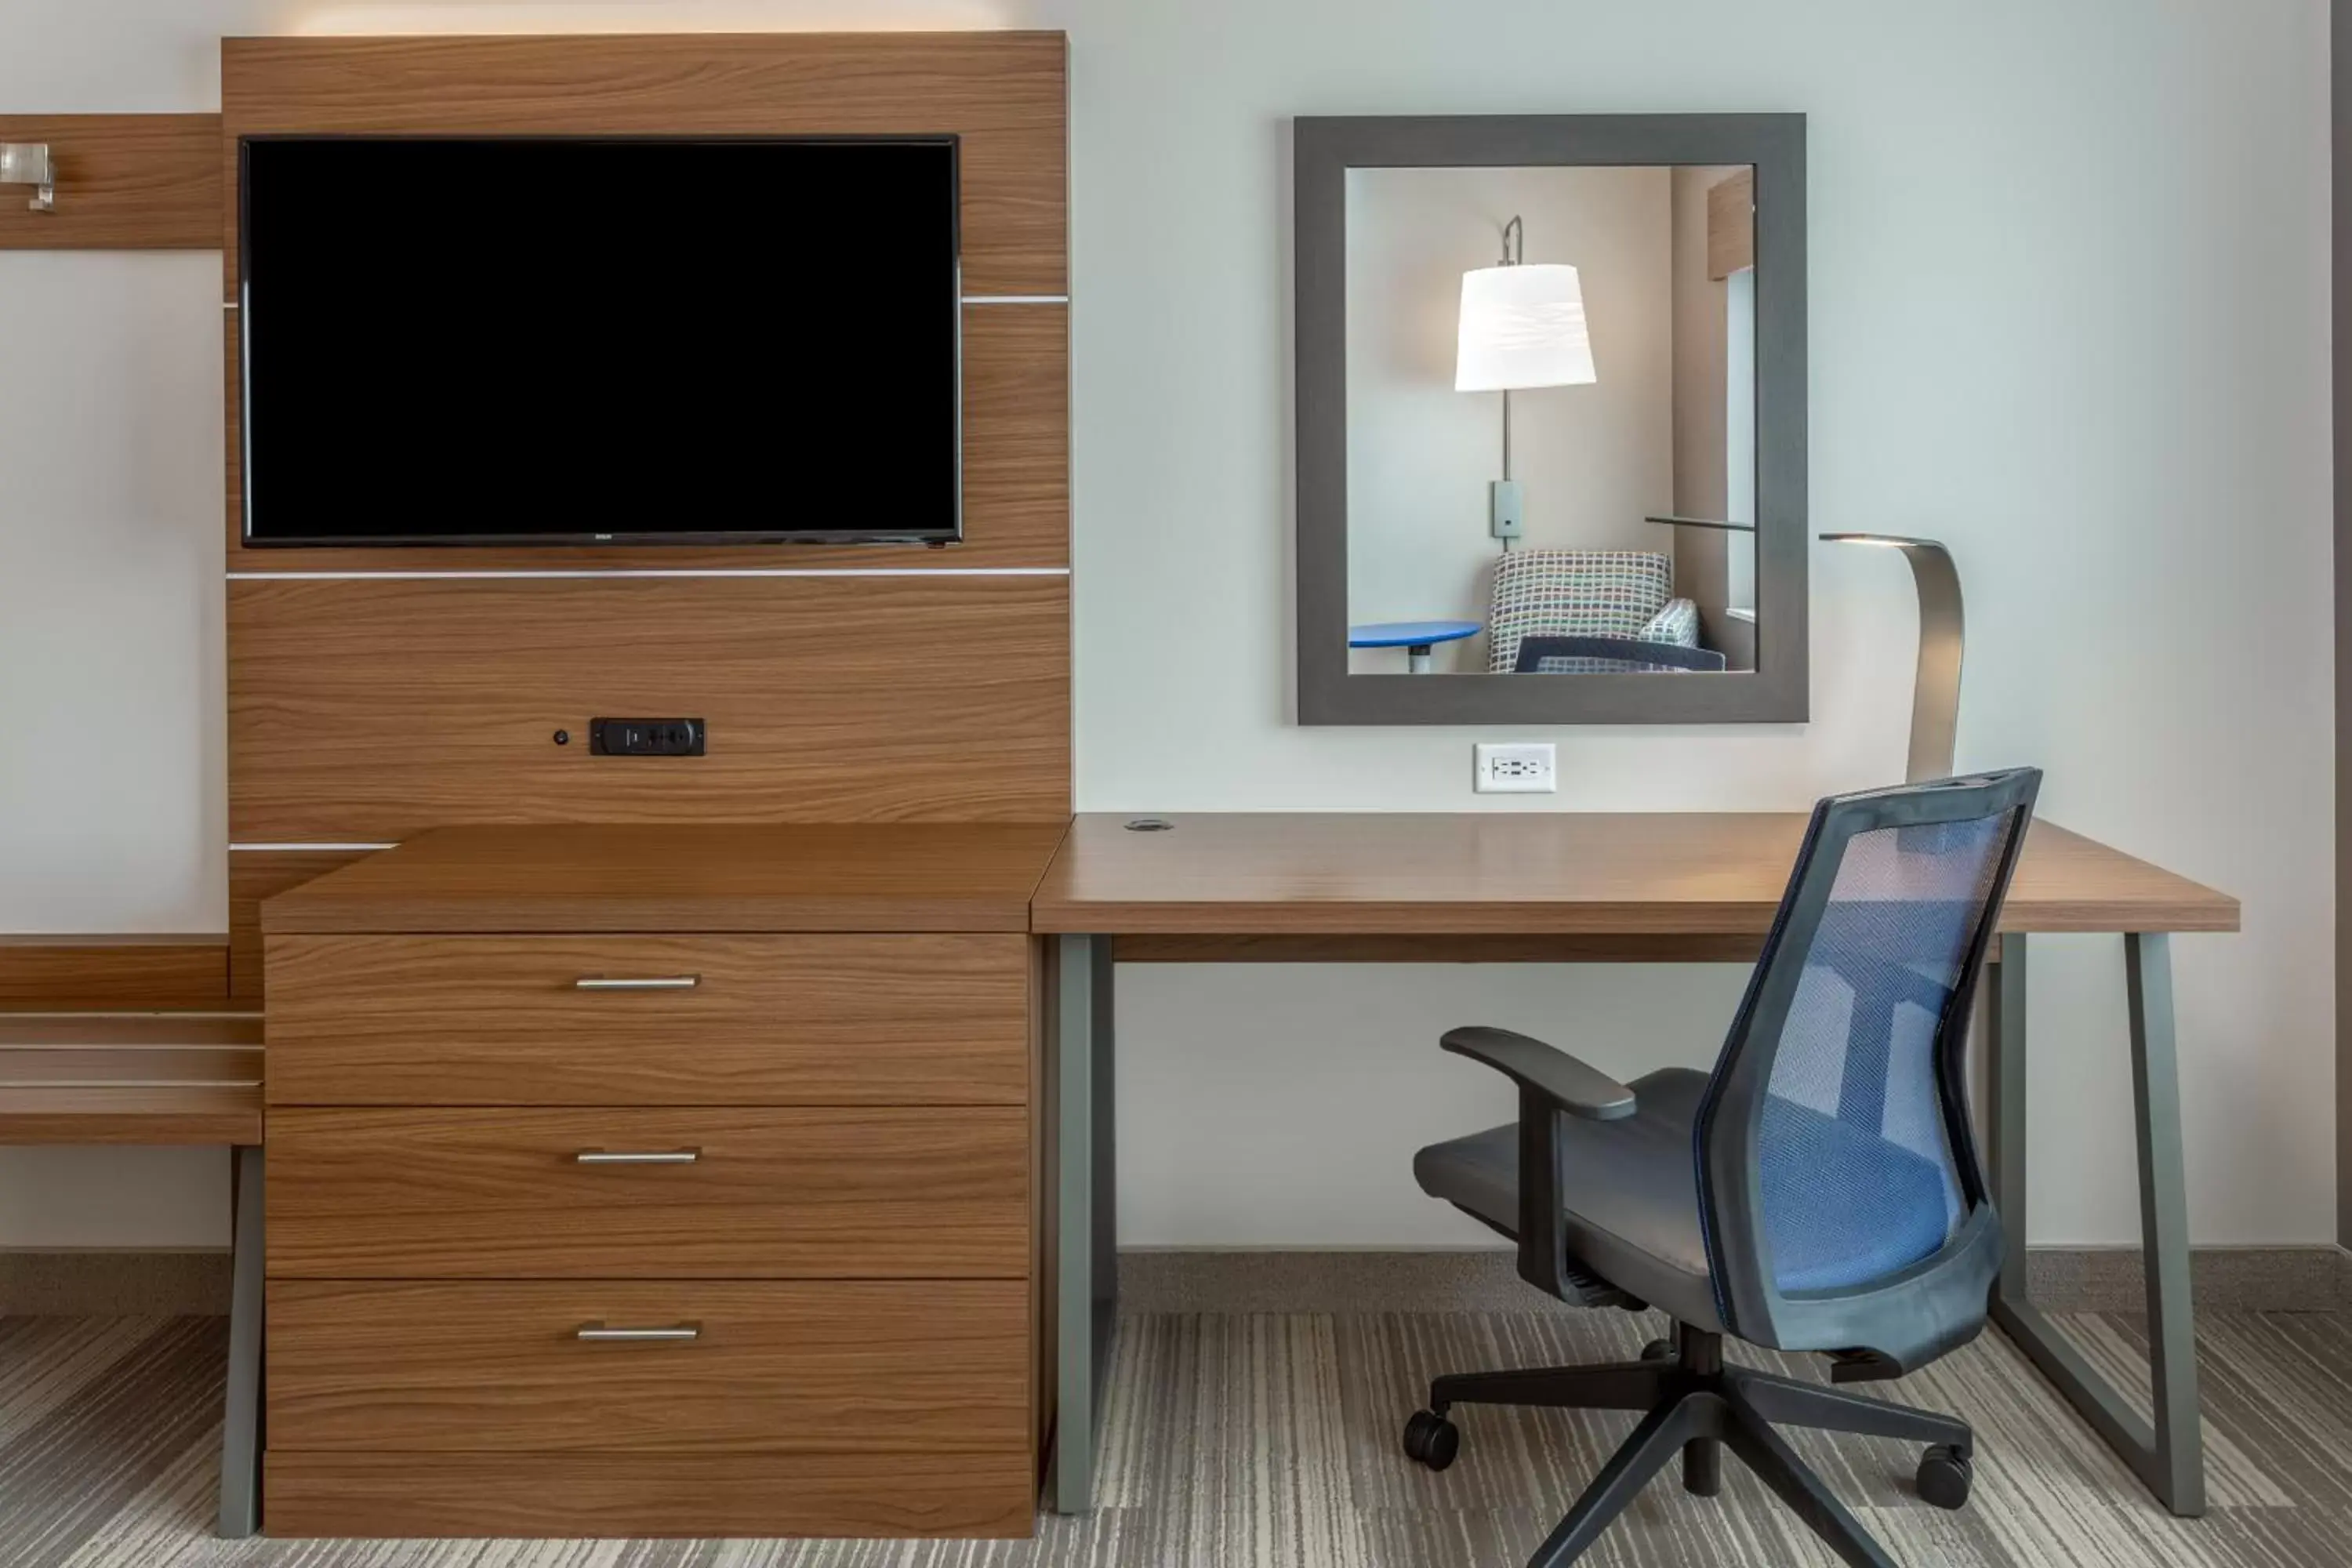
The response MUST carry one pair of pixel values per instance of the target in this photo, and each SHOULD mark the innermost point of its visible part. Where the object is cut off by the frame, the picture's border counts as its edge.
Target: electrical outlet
(644, 737)
(1525, 767)
(1505, 511)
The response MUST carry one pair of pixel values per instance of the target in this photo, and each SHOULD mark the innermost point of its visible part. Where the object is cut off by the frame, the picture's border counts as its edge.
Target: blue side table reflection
(1415, 636)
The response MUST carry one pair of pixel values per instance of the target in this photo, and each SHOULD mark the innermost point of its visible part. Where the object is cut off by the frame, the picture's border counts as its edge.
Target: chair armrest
(1570, 1084)
(1678, 623)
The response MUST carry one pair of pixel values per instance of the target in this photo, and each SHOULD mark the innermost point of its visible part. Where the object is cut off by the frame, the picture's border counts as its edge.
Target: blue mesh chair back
(1836, 1160)
(1610, 656)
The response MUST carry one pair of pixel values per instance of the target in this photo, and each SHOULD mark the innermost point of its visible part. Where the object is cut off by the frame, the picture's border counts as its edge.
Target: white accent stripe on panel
(1016, 298)
(350, 848)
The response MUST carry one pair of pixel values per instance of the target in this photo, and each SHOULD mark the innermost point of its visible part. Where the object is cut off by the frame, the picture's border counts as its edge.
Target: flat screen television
(599, 340)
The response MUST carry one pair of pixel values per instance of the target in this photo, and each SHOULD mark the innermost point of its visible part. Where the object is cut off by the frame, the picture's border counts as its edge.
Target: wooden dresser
(657, 1181)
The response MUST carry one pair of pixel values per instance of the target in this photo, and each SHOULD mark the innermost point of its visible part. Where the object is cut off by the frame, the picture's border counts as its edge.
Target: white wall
(2068, 312)
(1592, 461)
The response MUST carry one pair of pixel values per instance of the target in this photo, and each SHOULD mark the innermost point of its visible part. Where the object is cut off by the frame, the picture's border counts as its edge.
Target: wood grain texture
(767, 877)
(1016, 481)
(822, 1192)
(1731, 224)
(369, 711)
(111, 1082)
(832, 1367)
(130, 1079)
(1529, 874)
(138, 973)
(102, 1031)
(135, 1113)
(1003, 94)
(823, 1020)
(125, 182)
(254, 875)
(743, 1496)
(123, 1067)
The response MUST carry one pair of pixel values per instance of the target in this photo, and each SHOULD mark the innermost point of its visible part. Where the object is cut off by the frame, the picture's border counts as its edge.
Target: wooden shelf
(125, 182)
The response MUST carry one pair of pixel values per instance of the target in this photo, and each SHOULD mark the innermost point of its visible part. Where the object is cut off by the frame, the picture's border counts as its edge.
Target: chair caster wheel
(1431, 1439)
(1660, 1350)
(1944, 1475)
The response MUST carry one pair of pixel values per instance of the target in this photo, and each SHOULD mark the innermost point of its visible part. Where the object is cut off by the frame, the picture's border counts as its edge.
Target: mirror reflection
(1552, 420)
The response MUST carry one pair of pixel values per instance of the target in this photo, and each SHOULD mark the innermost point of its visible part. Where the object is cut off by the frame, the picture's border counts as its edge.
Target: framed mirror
(1550, 382)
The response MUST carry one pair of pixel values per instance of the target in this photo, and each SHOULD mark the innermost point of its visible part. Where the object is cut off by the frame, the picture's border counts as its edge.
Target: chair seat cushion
(1629, 1190)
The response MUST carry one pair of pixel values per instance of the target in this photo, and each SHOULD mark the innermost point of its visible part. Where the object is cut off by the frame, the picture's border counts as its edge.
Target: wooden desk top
(1531, 874)
(867, 877)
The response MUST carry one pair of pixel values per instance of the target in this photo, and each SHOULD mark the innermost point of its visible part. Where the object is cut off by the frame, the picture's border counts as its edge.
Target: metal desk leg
(2169, 1458)
(240, 1468)
(1086, 1218)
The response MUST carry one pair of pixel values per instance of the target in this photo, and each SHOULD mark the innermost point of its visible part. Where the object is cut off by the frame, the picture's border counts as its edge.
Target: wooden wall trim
(125, 182)
(120, 973)
(1731, 224)
(374, 695)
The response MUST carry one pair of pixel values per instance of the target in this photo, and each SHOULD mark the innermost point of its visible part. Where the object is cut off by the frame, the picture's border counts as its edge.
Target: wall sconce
(27, 163)
(1521, 327)
(1936, 688)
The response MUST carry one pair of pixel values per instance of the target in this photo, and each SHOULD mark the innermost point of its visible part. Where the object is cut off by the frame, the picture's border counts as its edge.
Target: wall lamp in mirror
(1666, 250)
(1521, 327)
(27, 163)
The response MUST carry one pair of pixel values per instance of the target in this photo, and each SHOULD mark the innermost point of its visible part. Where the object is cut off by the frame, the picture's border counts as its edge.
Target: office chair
(1817, 1190)
(1610, 656)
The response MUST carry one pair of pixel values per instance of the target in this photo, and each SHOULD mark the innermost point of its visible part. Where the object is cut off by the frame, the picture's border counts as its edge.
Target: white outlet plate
(1521, 767)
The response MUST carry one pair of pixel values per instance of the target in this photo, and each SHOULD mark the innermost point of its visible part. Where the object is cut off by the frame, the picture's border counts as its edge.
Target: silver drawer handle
(637, 1156)
(643, 983)
(599, 1335)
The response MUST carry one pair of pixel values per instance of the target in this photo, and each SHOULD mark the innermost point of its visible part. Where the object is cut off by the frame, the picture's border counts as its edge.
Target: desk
(1561, 887)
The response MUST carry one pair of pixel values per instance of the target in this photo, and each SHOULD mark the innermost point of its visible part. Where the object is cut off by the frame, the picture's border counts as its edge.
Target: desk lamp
(1521, 327)
(1936, 689)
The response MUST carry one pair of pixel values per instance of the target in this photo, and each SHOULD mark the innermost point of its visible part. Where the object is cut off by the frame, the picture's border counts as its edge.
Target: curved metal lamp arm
(1936, 689)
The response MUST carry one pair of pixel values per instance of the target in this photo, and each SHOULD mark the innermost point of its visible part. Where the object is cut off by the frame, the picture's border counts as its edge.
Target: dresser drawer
(837, 1366)
(648, 1020)
(722, 1192)
(740, 1495)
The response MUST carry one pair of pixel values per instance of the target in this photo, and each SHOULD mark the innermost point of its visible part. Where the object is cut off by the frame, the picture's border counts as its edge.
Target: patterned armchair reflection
(1613, 593)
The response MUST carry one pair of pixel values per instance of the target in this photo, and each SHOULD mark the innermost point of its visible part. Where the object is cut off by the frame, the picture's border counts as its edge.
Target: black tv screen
(631, 341)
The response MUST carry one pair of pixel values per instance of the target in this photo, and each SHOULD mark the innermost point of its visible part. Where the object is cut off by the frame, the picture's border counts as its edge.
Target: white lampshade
(1521, 327)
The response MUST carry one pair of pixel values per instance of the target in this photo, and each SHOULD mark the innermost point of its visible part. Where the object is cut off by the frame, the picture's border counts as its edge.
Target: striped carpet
(1248, 1440)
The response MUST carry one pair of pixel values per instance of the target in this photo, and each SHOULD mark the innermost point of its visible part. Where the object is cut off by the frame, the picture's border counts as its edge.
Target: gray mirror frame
(1323, 149)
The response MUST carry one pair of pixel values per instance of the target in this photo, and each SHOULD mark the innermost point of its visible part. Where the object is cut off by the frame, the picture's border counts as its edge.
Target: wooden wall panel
(1016, 479)
(1731, 224)
(258, 874)
(135, 974)
(1003, 92)
(125, 182)
(368, 709)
